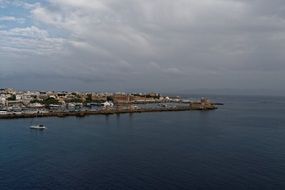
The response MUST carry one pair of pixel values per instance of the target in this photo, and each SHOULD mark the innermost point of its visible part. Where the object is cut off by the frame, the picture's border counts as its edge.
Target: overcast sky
(143, 45)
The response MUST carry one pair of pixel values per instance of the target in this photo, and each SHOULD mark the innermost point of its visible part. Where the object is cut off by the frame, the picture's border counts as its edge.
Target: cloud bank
(144, 44)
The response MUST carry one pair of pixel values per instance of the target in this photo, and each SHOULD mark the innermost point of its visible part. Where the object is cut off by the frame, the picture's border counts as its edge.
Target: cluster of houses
(13, 100)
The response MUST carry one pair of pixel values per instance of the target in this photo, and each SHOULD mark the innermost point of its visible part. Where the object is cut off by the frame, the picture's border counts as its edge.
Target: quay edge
(104, 112)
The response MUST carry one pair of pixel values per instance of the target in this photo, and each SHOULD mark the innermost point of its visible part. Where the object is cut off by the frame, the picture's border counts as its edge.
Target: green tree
(88, 98)
(12, 98)
(51, 100)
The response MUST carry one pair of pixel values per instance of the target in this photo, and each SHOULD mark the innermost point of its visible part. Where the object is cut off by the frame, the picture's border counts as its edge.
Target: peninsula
(27, 104)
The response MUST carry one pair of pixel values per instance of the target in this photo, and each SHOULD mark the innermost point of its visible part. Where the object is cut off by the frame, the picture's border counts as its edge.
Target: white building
(107, 104)
(2, 101)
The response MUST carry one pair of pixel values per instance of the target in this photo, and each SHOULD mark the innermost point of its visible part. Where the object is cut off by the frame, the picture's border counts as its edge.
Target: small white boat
(37, 127)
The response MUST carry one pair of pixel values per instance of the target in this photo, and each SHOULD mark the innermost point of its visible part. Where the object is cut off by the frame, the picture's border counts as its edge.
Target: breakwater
(100, 112)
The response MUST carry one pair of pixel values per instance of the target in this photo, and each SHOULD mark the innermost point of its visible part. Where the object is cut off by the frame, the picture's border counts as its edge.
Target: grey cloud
(158, 44)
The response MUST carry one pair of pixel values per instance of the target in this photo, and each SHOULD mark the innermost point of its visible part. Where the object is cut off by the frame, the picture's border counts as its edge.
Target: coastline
(101, 112)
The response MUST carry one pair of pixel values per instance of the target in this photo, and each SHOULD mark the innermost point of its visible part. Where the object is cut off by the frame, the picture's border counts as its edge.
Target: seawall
(100, 112)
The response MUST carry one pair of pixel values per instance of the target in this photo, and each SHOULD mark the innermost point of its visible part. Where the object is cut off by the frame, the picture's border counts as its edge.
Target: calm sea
(239, 146)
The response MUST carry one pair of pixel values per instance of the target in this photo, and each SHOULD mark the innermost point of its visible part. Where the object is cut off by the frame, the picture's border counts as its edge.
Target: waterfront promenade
(100, 112)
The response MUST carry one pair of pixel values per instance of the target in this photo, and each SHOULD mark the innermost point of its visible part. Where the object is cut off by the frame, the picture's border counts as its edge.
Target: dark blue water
(239, 146)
